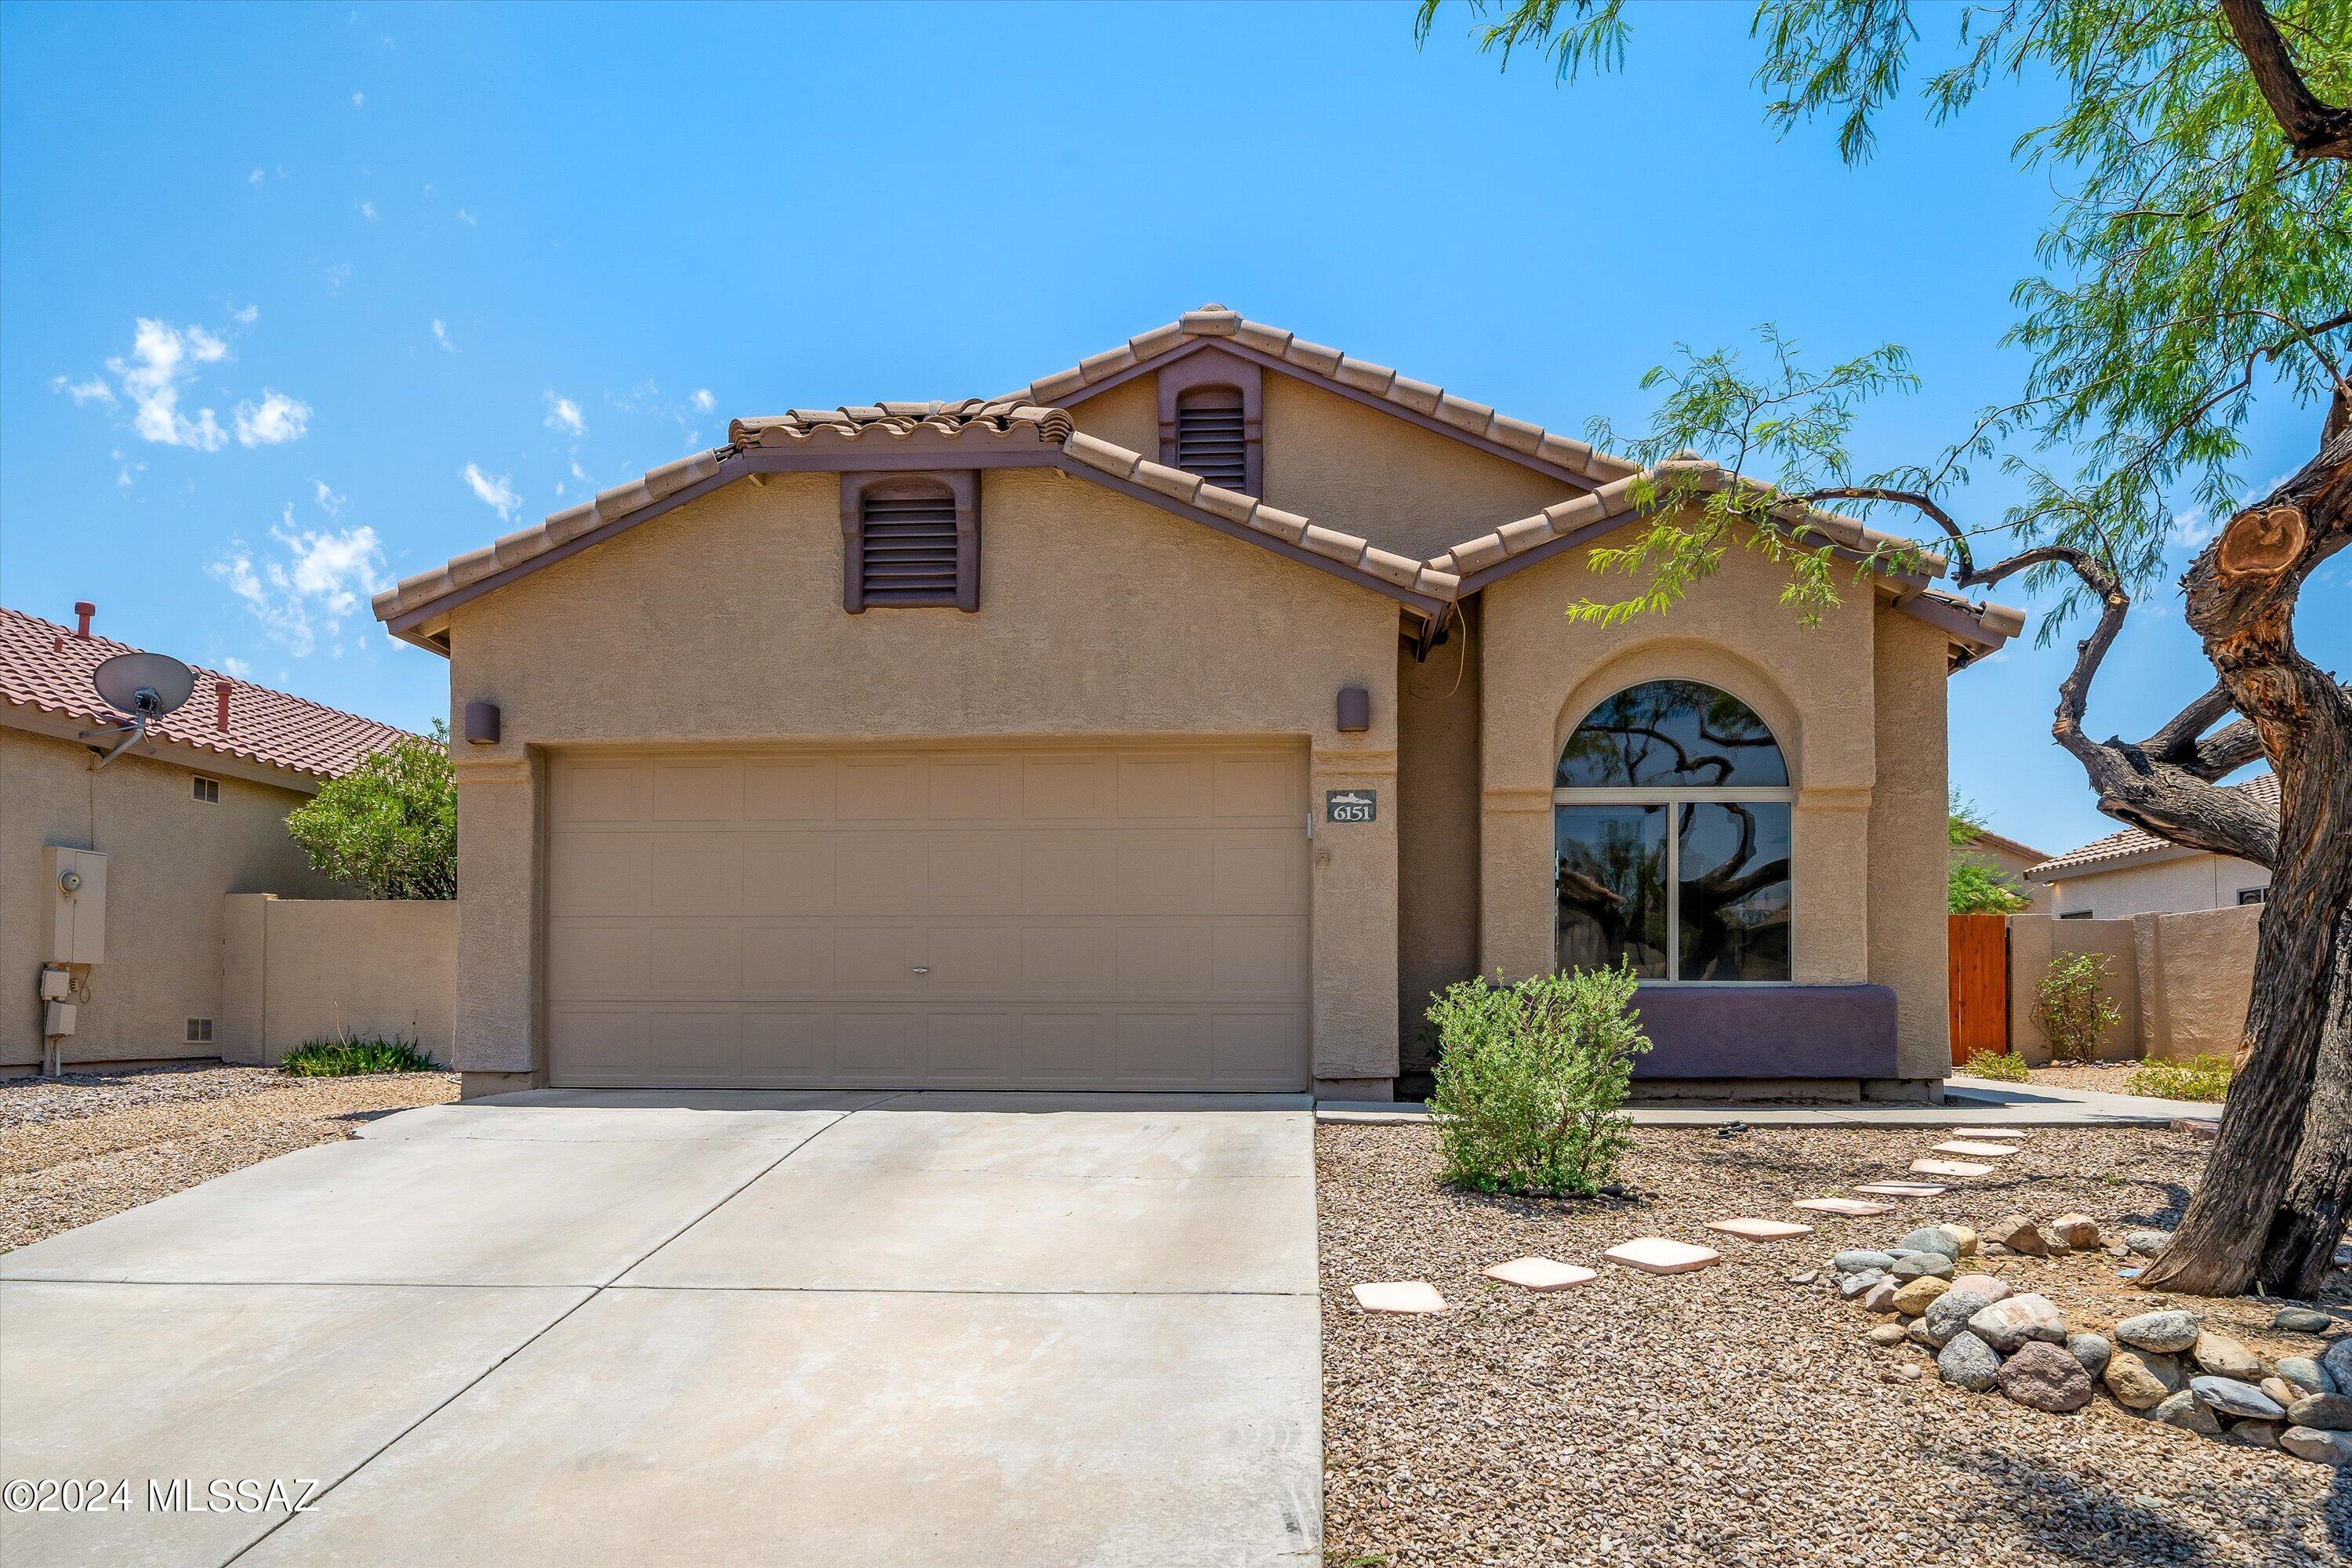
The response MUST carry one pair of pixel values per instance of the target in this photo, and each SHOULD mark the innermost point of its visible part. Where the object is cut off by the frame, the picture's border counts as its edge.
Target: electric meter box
(76, 905)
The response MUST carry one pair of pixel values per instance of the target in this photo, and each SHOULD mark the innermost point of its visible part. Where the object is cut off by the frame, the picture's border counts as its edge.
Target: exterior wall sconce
(1355, 710)
(482, 723)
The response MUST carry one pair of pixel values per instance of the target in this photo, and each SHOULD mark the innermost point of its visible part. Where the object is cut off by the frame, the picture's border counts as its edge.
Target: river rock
(1931, 1238)
(2090, 1350)
(2239, 1400)
(1948, 1314)
(1964, 1240)
(1969, 1362)
(2337, 1359)
(2324, 1412)
(2148, 1243)
(2043, 1377)
(2079, 1231)
(2321, 1448)
(1917, 1295)
(2168, 1331)
(1855, 1262)
(2259, 1433)
(2302, 1320)
(1922, 1265)
(2304, 1373)
(1991, 1287)
(2007, 1324)
(1880, 1298)
(1886, 1334)
(2225, 1357)
(1853, 1285)
(2018, 1233)
(2184, 1411)
(2141, 1380)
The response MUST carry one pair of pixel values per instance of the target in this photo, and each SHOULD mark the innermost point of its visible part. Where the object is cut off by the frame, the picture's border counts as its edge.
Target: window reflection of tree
(1616, 742)
(1709, 905)
(1618, 885)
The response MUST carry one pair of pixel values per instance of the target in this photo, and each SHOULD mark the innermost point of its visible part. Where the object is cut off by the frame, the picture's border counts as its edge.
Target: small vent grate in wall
(910, 550)
(1210, 438)
(207, 790)
(200, 1031)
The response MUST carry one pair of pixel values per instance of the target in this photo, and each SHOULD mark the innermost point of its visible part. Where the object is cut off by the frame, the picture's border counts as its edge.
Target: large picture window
(1671, 838)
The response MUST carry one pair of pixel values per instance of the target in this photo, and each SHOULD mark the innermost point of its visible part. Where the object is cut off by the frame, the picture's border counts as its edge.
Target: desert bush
(2071, 1006)
(1529, 1079)
(348, 1056)
(2006, 1066)
(2192, 1078)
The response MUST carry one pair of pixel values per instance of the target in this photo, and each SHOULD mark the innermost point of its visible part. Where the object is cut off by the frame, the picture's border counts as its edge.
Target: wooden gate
(1978, 945)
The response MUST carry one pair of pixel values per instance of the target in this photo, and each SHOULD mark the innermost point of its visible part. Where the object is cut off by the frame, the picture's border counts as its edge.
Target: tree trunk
(2303, 1235)
(2241, 594)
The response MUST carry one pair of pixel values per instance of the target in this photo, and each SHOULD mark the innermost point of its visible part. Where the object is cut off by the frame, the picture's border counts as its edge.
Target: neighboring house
(202, 815)
(2135, 873)
(2012, 860)
(1019, 743)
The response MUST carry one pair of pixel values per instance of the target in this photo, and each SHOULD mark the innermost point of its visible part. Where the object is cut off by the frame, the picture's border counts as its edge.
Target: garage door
(1068, 917)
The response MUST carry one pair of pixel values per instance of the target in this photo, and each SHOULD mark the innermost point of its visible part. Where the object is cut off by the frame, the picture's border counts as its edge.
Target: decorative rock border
(1988, 1337)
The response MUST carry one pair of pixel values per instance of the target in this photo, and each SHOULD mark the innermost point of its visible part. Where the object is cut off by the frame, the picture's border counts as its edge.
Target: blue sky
(295, 300)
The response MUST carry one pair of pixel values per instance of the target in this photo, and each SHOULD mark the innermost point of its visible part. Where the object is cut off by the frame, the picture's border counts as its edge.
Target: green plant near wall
(2205, 1078)
(390, 825)
(2005, 1066)
(1531, 1079)
(2071, 1005)
(348, 1055)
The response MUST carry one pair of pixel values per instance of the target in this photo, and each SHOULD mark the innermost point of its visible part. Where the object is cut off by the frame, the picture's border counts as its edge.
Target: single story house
(1180, 720)
(198, 813)
(2134, 872)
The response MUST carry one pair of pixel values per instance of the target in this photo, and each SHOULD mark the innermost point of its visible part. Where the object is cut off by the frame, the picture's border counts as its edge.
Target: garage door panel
(1089, 916)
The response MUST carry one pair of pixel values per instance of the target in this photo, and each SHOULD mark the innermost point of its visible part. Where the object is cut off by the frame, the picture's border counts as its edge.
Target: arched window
(1670, 837)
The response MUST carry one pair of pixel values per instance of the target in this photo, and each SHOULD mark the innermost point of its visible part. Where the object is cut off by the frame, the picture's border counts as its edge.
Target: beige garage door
(1069, 917)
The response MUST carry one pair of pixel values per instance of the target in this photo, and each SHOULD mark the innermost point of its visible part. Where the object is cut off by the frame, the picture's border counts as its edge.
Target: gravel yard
(76, 1149)
(2107, 1078)
(1730, 1416)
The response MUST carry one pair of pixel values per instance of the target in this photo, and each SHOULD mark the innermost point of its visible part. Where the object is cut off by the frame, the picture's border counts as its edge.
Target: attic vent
(1210, 438)
(911, 540)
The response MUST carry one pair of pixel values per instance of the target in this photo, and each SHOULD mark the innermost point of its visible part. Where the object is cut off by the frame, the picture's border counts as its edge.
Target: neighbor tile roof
(2106, 853)
(45, 666)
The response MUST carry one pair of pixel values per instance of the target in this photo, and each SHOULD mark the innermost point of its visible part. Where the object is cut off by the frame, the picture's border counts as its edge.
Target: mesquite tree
(2199, 258)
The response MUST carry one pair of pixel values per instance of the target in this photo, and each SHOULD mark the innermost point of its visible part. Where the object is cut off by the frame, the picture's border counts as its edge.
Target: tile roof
(47, 667)
(1379, 381)
(1002, 416)
(2106, 853)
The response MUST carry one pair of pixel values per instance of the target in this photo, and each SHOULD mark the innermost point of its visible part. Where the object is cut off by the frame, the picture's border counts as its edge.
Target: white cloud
(126, 473)
(562, 413)
(467, 218)
(160, 362)
(337, 277)
(237, 668)
(274, 421)
(245, 317)
(441, 335)
(304, 590)
(257, 179)
(703, 400)
(329, 501)
(367, 211)
(498, 494)
(359, 101)
(94, 390)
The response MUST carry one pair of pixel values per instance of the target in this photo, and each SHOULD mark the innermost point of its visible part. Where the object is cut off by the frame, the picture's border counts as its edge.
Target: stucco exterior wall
(170, 858)
(1908, 840)
(2193, 882)
(1814, 688)
(1100, 616)
(294, 970)
(2181, 981)
(1127, 415)
(2033, 942)
(1437, 828)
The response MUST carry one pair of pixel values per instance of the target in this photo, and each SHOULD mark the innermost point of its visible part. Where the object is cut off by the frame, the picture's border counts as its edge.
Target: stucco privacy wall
(721, 622)
(169, 858)
(1544, 672)
(294, 970)
(2182, 982)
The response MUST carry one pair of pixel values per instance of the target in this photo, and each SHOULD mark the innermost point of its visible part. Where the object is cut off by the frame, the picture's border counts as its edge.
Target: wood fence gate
(1978, 946)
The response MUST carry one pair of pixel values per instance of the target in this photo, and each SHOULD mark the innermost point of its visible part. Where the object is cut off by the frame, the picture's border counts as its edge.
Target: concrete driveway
(570, 1328)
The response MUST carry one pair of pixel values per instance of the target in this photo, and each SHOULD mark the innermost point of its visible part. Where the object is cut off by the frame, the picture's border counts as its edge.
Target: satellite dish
(147, 685)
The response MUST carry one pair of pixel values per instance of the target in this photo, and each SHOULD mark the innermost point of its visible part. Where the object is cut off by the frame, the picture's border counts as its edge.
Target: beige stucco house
(1180, 720)
(172, 830)
(2134, 872)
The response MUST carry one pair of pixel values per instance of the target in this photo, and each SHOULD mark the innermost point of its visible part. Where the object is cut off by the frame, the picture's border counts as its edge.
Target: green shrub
(2192, 1078)
(2006, 1066)
(1529, 1079)
(2070, 1006)
(347, 1056)
(389, 827)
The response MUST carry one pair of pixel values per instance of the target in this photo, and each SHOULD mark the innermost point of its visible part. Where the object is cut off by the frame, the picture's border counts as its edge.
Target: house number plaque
(1350, 804)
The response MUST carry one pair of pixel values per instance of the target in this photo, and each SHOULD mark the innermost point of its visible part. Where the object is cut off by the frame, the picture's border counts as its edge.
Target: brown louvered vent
(1210, 438)
(910, 549)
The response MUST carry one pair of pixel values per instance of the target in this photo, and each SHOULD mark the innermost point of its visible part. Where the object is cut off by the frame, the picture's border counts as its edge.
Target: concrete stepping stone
(1901, 1189)
(1759, 1229)
(2013, 1134)
(1661, 1255)
(1540, 1273)
(1853, 1207)
(1400, 1296)
(1976, 1149)
(1948, 1168)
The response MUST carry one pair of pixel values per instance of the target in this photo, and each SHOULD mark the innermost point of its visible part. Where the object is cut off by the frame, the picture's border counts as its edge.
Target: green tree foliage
(390, 825)
(1973, 885)
(1531, 1077)
(2071, 1005)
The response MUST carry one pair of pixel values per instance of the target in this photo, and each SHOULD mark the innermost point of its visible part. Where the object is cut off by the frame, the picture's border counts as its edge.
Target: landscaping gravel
(78, 1148)
(1734, 1417)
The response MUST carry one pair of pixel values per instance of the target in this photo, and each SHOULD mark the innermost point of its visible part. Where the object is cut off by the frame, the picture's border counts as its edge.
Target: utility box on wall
(77, 893)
